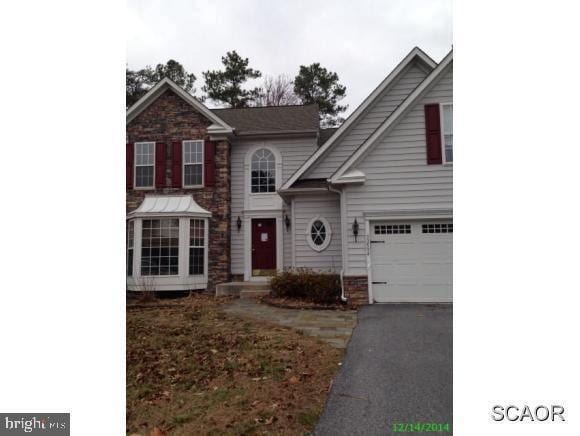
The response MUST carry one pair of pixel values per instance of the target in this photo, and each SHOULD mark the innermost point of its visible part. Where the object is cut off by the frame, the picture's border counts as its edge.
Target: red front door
(263, 247)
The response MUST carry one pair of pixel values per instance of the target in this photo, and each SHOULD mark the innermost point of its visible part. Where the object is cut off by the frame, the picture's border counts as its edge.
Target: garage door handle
(379, 283)
(377, 242)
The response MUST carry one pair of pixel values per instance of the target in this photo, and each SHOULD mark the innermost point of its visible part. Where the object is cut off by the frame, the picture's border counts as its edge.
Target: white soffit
(169, 205)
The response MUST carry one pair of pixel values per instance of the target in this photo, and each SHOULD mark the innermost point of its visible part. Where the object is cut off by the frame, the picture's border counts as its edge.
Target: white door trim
(248, 216)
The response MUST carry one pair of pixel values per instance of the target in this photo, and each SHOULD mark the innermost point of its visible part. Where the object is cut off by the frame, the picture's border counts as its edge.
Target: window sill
(193, 187)
(144, 188)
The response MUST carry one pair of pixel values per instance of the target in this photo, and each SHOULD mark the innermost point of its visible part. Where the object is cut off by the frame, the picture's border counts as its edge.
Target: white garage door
(412, 261)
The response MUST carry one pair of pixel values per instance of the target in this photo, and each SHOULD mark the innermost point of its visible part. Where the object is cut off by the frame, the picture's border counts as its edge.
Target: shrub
(308, 285)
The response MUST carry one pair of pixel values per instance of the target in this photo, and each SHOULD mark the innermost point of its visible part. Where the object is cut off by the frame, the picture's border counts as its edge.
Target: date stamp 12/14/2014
(421, 427)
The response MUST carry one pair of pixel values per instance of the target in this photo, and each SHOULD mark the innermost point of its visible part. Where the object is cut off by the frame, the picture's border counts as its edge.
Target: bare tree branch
(277, 91)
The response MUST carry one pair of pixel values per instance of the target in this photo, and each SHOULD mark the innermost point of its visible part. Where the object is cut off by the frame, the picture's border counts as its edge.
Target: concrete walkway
(332, 326)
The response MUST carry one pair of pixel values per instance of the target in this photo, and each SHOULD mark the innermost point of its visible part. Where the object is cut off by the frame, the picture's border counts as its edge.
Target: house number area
(421, 427)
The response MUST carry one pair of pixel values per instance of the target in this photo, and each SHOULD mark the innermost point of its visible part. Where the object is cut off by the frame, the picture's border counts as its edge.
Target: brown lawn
(194, 370)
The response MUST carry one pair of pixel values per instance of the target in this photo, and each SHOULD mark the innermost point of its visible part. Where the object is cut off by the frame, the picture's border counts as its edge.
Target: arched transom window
(263, 171)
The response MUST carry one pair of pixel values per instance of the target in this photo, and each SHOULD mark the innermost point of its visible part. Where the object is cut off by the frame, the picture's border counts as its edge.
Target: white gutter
(342, 296)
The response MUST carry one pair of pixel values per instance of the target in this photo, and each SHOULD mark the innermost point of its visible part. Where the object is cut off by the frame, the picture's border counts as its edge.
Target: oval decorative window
(318, 233)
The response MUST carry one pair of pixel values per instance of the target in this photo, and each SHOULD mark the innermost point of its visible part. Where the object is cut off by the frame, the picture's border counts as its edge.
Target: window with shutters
(263, 171)
(144, 165)
(192, 163)
(447, 131)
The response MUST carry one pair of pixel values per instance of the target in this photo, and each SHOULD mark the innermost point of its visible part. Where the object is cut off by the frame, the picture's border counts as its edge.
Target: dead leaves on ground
(192, 369)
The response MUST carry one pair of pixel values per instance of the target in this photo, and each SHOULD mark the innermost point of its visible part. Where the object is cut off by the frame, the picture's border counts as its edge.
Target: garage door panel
(415, 266)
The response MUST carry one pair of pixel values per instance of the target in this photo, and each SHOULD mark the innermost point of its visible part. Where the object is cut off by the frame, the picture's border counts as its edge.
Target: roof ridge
(263, 107)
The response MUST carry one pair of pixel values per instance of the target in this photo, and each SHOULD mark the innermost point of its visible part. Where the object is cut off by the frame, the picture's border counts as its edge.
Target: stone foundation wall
(356, 290)
(170, 119)
(237, 277)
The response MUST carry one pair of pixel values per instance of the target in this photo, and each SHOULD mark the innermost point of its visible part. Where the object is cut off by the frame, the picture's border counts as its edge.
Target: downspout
(342, 295)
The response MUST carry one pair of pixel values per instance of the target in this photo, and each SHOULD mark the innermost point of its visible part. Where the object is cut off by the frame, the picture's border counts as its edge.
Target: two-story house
(218, 195)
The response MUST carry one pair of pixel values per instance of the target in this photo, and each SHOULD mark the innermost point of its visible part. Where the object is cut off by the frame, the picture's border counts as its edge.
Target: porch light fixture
(355, 229)
(239, 223)
(287, 222)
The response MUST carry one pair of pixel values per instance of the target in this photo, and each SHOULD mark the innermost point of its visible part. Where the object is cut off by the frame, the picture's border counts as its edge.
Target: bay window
(130, 246)
(196, 246)
(167, 244)
(159, 247)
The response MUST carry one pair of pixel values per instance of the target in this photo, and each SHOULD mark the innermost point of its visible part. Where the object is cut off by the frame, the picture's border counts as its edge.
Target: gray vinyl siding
(398, 177)
(375, 115)
(306, 207)
(294, 152)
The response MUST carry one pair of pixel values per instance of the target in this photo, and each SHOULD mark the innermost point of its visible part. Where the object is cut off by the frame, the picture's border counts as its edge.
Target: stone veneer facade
(356, 290)
(169, 118)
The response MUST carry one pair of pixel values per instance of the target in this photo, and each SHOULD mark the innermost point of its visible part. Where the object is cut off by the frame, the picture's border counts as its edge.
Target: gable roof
(390, 121)
(415, 54)
(271, 119)
(218, 126)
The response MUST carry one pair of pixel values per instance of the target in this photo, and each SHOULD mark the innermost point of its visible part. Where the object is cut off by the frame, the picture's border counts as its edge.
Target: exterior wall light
(287, 222)
(355, 229)
(239, 223)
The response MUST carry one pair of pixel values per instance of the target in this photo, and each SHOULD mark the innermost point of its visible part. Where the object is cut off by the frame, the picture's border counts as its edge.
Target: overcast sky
(361, 40)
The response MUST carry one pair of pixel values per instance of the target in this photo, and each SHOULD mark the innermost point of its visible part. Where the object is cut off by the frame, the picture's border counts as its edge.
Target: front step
(243, 289)
(247, 293)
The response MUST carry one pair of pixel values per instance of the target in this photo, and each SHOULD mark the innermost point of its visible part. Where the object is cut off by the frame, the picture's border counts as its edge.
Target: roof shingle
(271, 119)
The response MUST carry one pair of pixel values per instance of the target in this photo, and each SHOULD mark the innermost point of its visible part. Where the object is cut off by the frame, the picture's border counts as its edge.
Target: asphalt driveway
(398, 368)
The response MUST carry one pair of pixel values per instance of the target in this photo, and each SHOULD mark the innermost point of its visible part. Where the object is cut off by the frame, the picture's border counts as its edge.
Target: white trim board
(391, 120)
(416, 53)
(219, 126)
(247, 229)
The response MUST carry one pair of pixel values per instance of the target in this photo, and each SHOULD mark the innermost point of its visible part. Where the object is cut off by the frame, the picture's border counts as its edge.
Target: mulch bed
(289, 303)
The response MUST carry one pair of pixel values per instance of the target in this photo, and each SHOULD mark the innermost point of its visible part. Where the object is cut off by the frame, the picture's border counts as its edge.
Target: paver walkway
(334, 327)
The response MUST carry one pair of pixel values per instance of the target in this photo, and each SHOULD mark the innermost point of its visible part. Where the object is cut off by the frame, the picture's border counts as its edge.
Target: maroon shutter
(209, 162)
(160, 165)
(129, 155)
(433, 132)
(176, 165)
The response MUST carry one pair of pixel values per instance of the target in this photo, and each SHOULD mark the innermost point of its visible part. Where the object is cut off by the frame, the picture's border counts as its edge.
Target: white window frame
(160, 218)
(131, 246)
(205, 246)
(442, 122)
(275, 171)
(328, 229)
(202, 163)
(135, 165)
